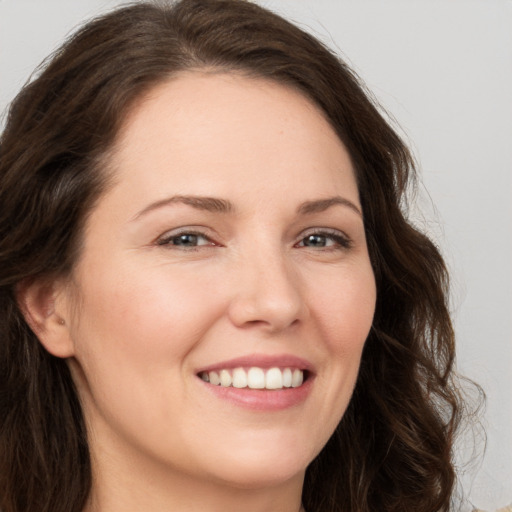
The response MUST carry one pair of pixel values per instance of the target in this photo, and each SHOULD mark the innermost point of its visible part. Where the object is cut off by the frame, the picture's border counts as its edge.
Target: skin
(140, 314)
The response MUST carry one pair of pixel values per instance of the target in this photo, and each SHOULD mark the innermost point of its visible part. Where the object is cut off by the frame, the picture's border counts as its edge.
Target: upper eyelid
(169, 235)
(197, 230)
(322, 229)
(341, 239)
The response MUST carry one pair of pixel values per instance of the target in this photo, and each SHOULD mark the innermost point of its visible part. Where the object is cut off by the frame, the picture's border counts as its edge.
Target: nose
(266, 293)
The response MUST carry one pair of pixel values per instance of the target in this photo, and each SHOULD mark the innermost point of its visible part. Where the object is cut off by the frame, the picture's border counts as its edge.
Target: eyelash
(341, 241)
(166, 240)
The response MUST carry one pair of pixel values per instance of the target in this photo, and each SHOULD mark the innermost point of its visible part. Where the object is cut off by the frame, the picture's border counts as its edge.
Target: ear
(44, 304)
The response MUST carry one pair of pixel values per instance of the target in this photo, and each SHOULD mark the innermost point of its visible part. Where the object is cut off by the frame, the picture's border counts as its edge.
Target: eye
(185, 239)
(325, 240)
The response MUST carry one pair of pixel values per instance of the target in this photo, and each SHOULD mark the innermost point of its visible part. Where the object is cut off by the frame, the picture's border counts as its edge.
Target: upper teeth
(255, 378)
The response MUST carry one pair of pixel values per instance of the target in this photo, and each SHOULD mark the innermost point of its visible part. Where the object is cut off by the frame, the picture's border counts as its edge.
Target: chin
(260, 476)
(262, 467)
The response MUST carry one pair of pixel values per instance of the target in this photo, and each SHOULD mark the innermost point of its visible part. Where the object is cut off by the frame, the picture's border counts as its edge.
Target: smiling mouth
(256, 378)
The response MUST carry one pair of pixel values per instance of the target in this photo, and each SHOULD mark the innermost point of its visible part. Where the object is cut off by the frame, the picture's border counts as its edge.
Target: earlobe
(43, 305)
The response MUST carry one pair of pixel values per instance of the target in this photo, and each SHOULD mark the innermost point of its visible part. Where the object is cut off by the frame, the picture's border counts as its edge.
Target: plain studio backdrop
(443, 70)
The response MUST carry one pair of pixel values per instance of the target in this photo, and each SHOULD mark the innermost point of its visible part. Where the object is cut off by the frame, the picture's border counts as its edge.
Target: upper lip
(261, 361)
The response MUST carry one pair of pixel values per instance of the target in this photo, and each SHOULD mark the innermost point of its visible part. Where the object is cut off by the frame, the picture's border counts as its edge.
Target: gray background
(443, 69)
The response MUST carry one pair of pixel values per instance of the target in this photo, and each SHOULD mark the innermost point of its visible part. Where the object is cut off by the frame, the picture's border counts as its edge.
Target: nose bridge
(267, 288)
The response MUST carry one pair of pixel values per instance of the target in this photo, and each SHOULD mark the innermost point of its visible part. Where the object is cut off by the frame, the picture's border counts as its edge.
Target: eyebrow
(216, 205)
(210, 204)
(320, 205)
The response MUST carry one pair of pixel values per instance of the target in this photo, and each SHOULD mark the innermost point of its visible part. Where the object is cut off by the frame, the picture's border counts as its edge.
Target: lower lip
(262, 399)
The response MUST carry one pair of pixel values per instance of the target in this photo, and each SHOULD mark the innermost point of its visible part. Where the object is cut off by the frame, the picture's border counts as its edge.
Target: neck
(134, 486)
(194, 497)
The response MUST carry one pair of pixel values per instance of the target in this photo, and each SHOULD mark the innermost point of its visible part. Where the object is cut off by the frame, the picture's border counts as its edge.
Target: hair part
(393, 448)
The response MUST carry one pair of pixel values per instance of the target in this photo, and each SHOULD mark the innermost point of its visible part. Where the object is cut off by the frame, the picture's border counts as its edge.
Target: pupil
(186, 240)
(315, 240)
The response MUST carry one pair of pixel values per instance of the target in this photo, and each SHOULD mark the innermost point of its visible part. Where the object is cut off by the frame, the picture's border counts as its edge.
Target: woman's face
(230, 246)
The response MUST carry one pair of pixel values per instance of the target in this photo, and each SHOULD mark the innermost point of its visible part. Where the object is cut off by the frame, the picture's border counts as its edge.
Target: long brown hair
(393, 448)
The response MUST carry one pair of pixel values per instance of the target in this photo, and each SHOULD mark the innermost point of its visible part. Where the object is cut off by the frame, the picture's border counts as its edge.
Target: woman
(210, 295)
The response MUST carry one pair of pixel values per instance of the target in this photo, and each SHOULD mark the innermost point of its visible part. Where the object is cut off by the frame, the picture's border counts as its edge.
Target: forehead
(202, 130)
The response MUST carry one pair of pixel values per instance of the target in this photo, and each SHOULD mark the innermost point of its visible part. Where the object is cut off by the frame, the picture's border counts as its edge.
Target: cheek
(149, 319)
(345, 306)
(342, 307)
(133, 334)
